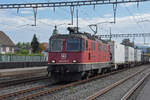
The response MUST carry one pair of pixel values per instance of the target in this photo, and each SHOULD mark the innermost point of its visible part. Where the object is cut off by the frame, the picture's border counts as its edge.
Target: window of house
(10, 49)
(4, 49)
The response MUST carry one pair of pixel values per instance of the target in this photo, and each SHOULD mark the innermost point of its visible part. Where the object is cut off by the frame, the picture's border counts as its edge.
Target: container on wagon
(137, 55)
(129, 54)
(117, 52)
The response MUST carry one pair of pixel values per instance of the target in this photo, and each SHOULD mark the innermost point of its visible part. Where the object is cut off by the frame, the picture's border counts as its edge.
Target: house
(44, 46)
(6, 44)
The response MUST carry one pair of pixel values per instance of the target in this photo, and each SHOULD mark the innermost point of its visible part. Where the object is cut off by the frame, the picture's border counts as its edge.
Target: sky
(19, 25)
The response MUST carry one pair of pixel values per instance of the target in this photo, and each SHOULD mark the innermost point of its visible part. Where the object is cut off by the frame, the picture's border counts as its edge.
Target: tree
(35, 44)
(23, 51)
(148, 50)
(23, 45)
(127, 42)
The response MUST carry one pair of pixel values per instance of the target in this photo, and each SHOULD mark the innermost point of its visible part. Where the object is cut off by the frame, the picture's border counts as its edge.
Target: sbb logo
(63, 55)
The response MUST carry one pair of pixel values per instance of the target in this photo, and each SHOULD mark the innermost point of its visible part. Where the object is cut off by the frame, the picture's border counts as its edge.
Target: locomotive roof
(76, 35)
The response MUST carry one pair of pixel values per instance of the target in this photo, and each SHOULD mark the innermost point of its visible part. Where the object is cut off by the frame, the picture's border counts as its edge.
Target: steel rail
(103, 91)
(20, 81)
(67, 85)
(132, 90)
(21, 92)
(67, 3)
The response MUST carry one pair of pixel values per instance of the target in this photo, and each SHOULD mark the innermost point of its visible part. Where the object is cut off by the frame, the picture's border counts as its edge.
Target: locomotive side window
(105, 48)
(86, 44)
(93, 45)
(82, 44)
(73, 44)
(99, 46)
(56, 45)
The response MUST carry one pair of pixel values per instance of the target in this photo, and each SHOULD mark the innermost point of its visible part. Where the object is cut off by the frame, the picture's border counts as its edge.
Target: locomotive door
(88, 50)
(89, 56)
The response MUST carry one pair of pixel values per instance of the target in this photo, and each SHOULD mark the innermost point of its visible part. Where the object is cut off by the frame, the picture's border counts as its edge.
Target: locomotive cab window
(73, 44)
(56, 45)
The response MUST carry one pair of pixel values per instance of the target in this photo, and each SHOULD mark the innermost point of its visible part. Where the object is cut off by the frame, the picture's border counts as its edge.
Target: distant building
(6, 44)
(148, 50)
(142, 47)
(44, 49)
(44, 46)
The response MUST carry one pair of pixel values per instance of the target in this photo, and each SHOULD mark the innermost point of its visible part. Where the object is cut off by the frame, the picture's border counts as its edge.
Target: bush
(23, 51)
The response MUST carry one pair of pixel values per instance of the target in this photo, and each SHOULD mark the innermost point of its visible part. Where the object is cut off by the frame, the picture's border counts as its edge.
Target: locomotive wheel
(104, 70)
(49, 74)
(85, 75)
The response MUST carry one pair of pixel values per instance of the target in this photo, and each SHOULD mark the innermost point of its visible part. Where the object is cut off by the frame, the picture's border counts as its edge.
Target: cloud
(42, 9)
(20, 28)
(127, 4)
(108, 15)
(26, 12)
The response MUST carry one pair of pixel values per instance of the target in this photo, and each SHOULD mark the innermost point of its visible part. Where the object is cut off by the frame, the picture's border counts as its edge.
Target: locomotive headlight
(53, 61)
(74, 61)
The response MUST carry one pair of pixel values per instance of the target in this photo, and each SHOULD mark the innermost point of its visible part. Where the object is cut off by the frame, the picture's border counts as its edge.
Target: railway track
(126, 96)
(21, 81)
(50, 90)
(132, 90)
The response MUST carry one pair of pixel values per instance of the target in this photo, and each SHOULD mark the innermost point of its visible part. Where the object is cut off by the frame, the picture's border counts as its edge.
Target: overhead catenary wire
(139, 25)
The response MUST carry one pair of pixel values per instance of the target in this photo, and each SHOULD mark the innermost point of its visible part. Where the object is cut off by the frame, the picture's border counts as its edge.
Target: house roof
(5, 40)
(45, 44)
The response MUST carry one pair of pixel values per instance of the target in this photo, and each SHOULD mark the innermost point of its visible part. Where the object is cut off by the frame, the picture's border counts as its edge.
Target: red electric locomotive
(76, 55)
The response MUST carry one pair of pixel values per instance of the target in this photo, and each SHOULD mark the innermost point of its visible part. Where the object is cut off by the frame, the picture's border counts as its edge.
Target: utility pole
(110, 34)
(77, 21)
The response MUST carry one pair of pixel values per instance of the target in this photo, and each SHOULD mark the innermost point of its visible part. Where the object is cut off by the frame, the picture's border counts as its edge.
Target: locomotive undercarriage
(74, 72)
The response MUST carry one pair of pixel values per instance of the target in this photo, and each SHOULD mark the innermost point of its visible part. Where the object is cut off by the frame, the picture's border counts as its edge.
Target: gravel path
(80, 92)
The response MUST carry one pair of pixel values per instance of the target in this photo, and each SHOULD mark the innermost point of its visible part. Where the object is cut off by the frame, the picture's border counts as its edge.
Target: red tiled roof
(45, 44)
(5, 40)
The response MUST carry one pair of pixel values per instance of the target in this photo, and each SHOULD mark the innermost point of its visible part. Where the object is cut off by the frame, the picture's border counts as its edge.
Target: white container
(117, 52)
(137, 55)
(129, 54)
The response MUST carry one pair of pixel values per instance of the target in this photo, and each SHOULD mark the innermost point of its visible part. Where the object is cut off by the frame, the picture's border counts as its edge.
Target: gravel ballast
(82, 91)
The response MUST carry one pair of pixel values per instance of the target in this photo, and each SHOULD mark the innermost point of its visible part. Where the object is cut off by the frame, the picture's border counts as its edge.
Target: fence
(14, 58)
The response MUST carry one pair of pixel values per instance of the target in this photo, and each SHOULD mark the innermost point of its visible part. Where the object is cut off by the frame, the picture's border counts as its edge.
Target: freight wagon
(129, 54)
(137, 55)
(117, 53)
